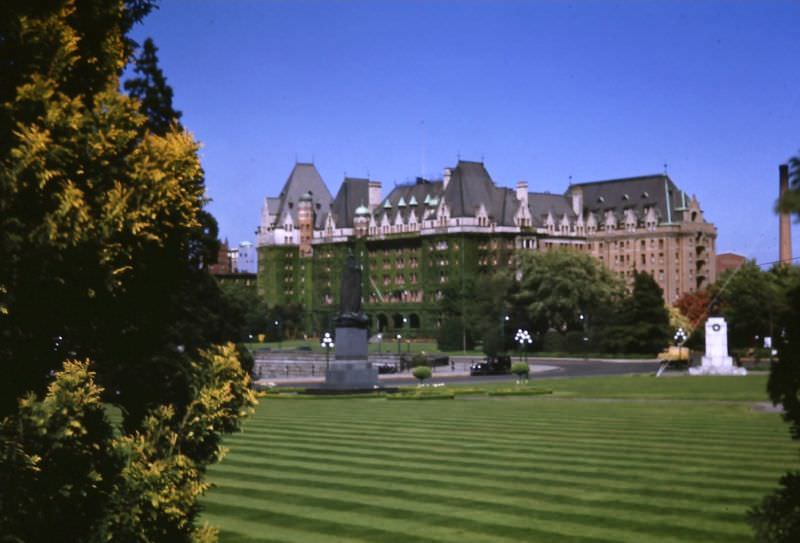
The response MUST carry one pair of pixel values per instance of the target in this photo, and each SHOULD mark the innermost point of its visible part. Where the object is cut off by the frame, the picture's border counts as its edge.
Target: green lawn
(599, 460)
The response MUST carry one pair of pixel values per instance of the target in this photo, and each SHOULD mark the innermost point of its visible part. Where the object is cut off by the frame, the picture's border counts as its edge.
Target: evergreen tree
(777, 518)
(103, 236)
(151, 89)
(648, 318)
(103, 244)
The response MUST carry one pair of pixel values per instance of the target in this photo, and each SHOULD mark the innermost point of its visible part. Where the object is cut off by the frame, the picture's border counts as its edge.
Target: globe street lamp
(278, 333)
(503, 321)
(523, 337)
(399, 337)
(380, 340)
(680, 337)
(327, 344)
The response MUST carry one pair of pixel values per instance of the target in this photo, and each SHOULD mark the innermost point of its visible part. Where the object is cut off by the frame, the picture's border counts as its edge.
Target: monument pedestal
(351, 375)
(350, 369)
(716, 360)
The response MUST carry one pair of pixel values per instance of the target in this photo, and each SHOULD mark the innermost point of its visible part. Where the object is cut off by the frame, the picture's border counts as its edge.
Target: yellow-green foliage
(63, 466)
(222, 397)
(84, 165)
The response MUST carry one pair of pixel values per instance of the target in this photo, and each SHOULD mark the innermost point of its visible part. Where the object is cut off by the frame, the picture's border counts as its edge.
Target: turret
(305, 219)
(361, 221)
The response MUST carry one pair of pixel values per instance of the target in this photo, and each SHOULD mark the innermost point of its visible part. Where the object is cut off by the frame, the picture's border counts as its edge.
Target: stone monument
(716, 360)
(351, 370)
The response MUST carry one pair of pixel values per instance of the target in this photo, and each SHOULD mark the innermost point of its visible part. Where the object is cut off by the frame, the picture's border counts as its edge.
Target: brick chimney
(522, 192)
(374, 194)
(785, 222)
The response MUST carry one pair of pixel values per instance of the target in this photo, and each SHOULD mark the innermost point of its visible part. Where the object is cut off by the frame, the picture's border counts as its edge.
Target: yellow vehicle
(674, 354)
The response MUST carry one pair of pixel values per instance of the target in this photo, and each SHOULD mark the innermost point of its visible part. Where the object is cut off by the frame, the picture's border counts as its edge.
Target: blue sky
(540, 91)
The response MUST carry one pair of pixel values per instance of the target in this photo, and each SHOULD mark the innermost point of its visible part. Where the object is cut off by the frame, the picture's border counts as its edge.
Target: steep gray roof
(304, 178)
(635, 193)
(418, 190)
(541, 203)
(272, 205)
(353, 193)
(470, 186)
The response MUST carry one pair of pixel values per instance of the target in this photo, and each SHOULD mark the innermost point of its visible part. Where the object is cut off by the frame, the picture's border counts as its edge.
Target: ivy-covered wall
(404, 277)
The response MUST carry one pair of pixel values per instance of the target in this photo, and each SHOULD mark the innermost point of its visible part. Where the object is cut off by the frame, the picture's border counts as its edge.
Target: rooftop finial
(665, 168)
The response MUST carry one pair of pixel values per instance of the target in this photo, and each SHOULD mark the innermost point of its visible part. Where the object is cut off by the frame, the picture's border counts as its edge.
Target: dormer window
(601, 199)
(645, 195)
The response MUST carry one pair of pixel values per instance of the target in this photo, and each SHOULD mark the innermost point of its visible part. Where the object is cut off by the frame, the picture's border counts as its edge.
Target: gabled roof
(470, 186)
(540, 203)
(617, 195)
(272, 204)
(304, 178)
(421, 191)
(354, 192)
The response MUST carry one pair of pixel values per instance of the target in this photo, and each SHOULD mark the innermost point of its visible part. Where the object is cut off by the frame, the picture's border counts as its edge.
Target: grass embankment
(596, 461)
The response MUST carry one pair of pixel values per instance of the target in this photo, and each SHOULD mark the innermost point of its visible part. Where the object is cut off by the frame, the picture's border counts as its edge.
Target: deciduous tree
(557, 287)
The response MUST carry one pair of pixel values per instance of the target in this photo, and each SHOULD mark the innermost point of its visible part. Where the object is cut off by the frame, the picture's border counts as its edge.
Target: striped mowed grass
(670, 460)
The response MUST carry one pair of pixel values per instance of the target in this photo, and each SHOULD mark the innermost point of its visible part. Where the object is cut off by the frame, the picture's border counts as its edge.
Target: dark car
(386, 367)
(492, 365)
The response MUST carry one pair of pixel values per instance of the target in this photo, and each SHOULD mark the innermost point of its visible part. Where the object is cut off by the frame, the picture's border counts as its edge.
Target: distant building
(224, 263)
(235, 265)
(246, 258)
(729, 261)
(426, 236)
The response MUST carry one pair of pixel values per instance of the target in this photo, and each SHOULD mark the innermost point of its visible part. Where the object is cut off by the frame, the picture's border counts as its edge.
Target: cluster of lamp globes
(327, 341)
(680, 336)
(523, 337)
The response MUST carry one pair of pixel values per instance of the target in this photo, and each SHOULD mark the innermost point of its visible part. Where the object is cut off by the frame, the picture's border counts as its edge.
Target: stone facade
(430, 235)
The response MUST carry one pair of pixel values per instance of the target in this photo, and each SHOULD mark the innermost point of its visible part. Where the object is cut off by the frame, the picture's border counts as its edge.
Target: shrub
(777, 519)
(521, 370)
(421, 373)
(142, 485)
(419, 359)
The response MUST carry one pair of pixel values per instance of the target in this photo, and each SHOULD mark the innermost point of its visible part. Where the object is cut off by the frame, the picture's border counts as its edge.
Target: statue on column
(350, 313)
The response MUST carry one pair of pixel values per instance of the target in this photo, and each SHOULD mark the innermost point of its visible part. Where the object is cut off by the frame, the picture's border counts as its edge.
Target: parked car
(492, 365)
(408, 361)
(386, 367)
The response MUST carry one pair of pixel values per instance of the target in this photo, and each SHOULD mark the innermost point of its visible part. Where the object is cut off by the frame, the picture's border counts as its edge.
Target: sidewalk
(439, 373)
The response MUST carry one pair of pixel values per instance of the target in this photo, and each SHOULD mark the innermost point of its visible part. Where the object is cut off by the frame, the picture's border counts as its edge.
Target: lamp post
(327, 344)
(399, 337)
(680, 337)
(503, 320)
(380, 340)
(523, 337)
(278, 333)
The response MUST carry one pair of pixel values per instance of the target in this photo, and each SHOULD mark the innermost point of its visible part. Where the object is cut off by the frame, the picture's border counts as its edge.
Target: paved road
(542, 368)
